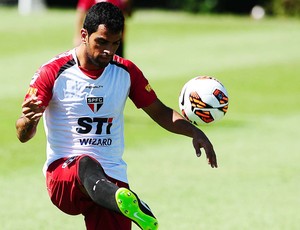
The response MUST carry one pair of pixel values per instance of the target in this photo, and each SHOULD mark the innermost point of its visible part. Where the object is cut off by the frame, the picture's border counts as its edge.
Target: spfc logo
(94, 103)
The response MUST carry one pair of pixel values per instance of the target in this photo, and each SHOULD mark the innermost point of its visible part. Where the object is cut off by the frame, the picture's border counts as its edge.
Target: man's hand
(201, 141)
(32, 109)
(26, 125)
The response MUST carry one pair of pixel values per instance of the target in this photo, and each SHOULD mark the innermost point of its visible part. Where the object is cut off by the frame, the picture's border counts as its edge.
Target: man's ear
(84, 35)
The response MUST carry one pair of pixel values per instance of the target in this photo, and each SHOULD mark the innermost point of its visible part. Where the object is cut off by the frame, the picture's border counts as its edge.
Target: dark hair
(104, 13)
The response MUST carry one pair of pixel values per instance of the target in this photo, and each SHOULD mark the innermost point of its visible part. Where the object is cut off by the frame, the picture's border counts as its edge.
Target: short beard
(94, 62)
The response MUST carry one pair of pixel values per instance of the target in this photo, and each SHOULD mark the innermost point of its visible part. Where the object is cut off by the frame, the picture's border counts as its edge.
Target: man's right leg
(109, 195)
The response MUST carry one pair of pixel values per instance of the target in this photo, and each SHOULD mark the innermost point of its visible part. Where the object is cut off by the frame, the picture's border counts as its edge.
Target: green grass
(257, 183)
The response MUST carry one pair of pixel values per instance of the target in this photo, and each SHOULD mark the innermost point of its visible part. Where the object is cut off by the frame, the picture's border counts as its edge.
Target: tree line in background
(272, 7)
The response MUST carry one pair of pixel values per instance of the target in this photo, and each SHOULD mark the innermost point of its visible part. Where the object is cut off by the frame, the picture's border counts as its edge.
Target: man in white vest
(81, 95)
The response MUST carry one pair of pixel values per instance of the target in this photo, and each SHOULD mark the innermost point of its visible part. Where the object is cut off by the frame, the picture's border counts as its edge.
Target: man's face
(101, 47)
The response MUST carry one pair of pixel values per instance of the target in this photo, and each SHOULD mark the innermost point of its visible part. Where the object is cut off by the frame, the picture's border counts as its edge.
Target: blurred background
(252, 47)
(272, 7)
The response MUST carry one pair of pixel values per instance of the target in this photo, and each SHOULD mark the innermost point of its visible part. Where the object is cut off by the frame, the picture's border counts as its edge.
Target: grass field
(257, 183)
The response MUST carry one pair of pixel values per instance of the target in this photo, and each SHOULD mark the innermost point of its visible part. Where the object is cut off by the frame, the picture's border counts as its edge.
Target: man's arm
(26, 125)
(174, 122)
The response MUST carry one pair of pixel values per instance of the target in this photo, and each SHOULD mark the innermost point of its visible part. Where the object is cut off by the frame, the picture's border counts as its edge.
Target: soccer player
(81, 95)
(84, 5)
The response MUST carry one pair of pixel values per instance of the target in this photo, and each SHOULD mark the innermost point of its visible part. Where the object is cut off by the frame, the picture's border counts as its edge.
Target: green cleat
(135, 209)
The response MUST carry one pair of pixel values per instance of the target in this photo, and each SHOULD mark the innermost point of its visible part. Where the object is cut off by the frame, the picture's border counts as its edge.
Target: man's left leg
(107, 194)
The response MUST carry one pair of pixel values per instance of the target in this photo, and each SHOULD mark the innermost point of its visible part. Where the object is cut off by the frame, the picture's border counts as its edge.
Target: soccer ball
(203, 100)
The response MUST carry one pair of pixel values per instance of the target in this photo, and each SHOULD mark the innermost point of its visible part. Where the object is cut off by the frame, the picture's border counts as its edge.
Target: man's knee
(101, 190)
(89, 167)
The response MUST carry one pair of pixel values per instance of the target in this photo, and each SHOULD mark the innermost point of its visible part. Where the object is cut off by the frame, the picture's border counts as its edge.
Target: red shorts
(63, 186)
